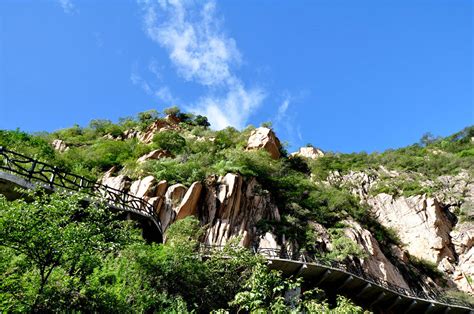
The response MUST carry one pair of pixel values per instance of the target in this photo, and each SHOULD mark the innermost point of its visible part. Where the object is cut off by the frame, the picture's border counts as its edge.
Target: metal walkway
(27, 172)
(375, 293)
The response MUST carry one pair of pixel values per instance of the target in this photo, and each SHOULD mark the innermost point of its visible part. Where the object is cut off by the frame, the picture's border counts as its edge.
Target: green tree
(146, 118)
(56, 242)
(170, 141)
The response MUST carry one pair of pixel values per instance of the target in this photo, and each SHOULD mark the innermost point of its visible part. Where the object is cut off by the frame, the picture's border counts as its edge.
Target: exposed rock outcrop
(154, 155)
(59, 145)
(156, 127)
(462, 238)
(144, 188)
(173, 197)
(189, 204)
(419, 221)
(265, 138)
(309, 152)
(375, 263)
(120, 182)
(232, 209)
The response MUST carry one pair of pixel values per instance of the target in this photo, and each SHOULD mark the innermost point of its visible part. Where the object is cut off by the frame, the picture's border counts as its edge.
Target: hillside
(405, 215)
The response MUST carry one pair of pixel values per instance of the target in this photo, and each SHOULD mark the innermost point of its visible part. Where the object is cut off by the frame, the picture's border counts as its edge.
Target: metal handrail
(54, 178)
(430, 295)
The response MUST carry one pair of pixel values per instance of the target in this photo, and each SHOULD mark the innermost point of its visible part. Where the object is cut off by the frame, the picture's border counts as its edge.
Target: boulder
(153, 155)
(309, 152)
(159, 199)
(264, 138)
(189, 204)
(120, 182)
(59, 145)
(145, 187)
(173, 198)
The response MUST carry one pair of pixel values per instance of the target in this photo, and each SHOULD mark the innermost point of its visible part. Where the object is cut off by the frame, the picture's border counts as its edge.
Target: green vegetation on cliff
(123, 273)
(57, 255)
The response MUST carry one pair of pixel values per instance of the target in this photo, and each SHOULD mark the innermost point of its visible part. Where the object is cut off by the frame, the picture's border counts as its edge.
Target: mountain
(405, 216)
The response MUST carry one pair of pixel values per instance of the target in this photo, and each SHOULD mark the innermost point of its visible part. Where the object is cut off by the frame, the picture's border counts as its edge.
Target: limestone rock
(144, 188)
(420, 223)
(264, 138)
(120, 182)
(153, 155)
(159, 199)
(232, 207)
(462, 238)
(173, 197)
(59, 145)
(190, 201)
(157, 126)
(376, 263)
(309, 152)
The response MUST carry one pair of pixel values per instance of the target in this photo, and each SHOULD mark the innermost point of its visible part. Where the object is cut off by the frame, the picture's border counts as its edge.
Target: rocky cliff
(231, 206)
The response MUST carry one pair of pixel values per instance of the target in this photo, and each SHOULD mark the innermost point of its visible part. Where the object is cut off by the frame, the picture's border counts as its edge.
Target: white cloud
(191, 34)
(139, 81)
(202, 53)
(232, 109)
(286, 116)
(281, 113)
(67, 5)
(164, 94)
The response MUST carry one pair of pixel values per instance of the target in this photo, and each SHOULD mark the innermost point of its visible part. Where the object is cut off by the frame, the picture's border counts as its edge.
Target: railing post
(53, 176)
(31, 170)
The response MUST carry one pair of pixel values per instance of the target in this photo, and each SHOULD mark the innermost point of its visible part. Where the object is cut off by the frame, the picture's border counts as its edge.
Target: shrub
(170, 141)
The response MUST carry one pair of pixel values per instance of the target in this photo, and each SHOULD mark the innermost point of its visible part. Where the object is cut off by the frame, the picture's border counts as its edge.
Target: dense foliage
(59, 254)
(297, 184)
(118, 272)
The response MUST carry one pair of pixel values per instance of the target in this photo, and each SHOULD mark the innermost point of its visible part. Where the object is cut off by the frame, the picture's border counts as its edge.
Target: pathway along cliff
(17, 170)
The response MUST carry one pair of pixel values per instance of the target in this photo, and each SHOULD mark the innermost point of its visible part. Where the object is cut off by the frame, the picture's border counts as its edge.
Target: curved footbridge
(17, 170)
(375, 294)
(20, 171)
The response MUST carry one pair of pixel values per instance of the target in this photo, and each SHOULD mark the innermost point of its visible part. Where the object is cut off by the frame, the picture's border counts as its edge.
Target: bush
(170, 141)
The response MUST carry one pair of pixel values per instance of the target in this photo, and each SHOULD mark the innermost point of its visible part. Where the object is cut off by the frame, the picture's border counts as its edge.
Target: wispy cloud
(201, 52)
(67, 5)
(285, 117)
(162, 92)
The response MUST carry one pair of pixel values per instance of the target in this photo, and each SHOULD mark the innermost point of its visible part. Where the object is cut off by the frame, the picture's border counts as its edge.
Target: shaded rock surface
(375, 262)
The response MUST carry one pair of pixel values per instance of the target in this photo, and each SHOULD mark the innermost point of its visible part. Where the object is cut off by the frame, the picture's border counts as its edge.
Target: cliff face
(231, 206)
(426, 225)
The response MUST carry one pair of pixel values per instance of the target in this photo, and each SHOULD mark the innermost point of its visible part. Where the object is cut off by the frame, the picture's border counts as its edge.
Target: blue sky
(343, 75)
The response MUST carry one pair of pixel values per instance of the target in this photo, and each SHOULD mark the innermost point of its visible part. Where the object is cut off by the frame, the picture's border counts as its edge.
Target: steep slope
(405, 216)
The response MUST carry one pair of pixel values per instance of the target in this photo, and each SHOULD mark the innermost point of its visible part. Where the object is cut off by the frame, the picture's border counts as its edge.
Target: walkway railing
(430, 294)
(54, 178)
